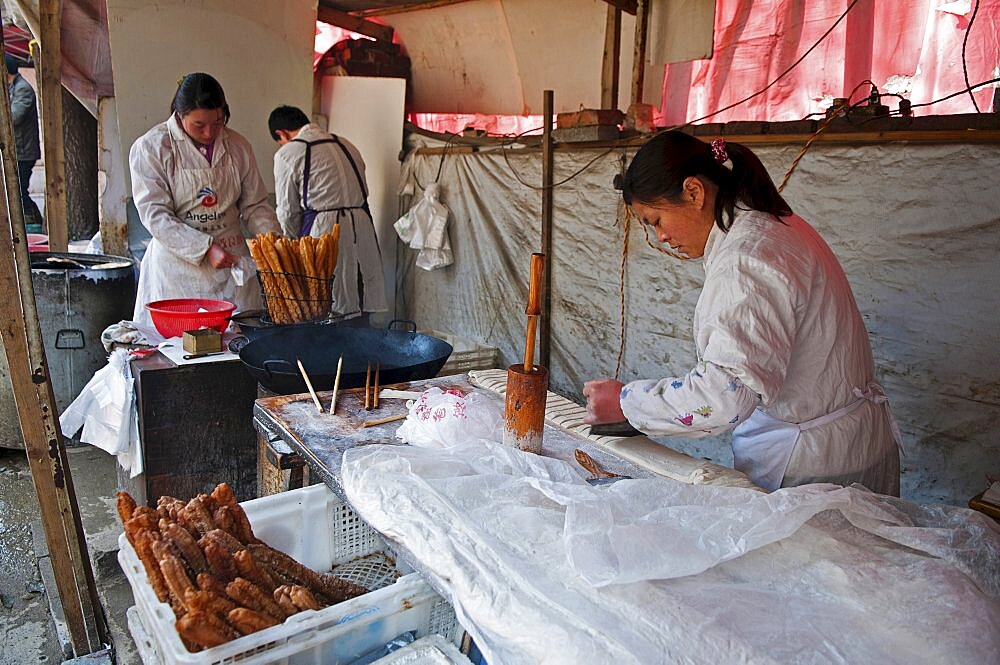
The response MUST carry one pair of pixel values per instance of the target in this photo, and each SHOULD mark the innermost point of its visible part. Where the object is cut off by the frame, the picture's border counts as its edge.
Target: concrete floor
(29, 632)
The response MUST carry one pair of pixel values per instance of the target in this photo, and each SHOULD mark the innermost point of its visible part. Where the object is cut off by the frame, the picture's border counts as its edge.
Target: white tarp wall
(917, 228)
(261, 53)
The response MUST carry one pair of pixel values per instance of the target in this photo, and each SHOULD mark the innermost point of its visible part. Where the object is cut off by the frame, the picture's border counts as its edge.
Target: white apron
(763, 445)
(205, 199)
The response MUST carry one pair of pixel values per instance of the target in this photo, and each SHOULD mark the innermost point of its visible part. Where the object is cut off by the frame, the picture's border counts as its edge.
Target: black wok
(402, 355)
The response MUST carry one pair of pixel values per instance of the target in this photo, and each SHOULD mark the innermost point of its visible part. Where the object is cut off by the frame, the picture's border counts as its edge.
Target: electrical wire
(844, 111)
(956, 94)
(965, 65)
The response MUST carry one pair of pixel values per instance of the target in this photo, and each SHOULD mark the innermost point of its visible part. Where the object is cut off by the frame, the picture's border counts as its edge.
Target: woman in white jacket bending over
(783, 355)
(194, 181)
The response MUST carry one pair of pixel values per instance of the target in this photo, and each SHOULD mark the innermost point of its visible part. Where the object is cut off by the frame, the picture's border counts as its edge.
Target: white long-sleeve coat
(777, 328)
(186, 202)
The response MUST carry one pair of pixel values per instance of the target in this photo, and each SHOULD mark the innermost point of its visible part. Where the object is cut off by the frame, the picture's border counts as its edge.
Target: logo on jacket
(206, 197)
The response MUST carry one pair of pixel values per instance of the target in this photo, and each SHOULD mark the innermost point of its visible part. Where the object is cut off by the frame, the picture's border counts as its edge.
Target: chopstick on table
(309, 385)
(378, 366)
(382, 421)
(336, 384)
(368, 388)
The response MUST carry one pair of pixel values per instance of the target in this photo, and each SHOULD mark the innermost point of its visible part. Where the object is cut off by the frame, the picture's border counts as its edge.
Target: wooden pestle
(534, 308)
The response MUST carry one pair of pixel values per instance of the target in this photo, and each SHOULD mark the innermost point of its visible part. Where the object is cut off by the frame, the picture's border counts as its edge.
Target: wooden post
(48, 65)
(37, 412)
(639, 59)
(112, 203)
(612, 58)
(544, 343)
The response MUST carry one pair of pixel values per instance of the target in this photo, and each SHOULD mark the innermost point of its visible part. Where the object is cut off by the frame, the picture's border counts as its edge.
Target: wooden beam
(545, 329)
(627, 6)
(327, 14)
(411, 7)
(612, 58)
(38, 412)
(48, 65)
(112, 204)
(639, 57)
(975, 136)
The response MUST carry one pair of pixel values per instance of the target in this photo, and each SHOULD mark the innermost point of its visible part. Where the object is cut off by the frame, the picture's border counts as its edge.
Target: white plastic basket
(466, 354)
(313, 526)
(430, 650)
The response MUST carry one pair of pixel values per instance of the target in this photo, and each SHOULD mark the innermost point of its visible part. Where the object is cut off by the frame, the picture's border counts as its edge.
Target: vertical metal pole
(38, 413)
(544, 344)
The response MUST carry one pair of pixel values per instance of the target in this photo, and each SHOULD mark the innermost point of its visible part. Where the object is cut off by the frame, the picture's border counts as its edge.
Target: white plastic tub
(313, 526)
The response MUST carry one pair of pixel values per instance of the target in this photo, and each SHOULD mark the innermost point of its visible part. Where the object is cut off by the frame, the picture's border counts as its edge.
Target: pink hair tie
(719, 151)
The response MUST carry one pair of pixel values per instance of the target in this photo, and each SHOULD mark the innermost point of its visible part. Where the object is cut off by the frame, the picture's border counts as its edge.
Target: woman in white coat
(195, 183)
(783, 357)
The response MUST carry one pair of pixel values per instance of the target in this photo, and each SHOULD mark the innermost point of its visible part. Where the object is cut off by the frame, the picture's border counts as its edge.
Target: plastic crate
(466, 355)
(313, 526)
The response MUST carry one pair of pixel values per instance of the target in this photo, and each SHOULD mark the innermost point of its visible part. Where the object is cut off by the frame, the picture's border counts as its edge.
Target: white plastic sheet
(105, 409)
(542, 567)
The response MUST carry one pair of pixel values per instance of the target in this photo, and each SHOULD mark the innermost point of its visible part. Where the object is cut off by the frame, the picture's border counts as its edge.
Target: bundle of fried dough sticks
(203, 559)
(296, 274)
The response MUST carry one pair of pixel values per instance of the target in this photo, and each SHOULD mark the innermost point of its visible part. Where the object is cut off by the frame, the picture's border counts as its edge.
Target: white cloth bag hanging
(105, 409)
(425, 228)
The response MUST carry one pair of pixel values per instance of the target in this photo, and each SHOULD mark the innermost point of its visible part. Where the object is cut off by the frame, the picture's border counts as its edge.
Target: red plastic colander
(172, 317)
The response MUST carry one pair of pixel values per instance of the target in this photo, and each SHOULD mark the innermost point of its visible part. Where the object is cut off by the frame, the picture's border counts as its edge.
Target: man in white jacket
(319, 182)
(783, 357)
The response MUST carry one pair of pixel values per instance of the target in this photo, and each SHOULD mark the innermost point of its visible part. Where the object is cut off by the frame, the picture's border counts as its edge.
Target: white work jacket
(186, 203)
(338, 195)
(784, 358)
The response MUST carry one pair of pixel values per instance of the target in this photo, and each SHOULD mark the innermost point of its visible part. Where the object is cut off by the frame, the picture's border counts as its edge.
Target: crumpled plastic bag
(445, 418)
(105, 409)
(425, 228)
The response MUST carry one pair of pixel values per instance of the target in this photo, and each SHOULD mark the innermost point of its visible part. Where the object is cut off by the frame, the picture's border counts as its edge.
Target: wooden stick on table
(378, 366)
(368, 388)
(309, 385)
(336, 384)
(534, 308)
(382, 421)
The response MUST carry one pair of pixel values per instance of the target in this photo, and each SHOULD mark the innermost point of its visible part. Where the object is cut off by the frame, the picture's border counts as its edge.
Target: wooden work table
(196, 429)
(322, 439)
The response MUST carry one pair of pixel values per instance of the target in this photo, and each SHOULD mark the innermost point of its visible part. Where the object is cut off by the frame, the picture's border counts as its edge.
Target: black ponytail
(661, 165)
(199, 91)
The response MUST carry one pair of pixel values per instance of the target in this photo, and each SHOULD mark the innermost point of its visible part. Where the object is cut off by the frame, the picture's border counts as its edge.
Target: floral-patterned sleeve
(705, 402)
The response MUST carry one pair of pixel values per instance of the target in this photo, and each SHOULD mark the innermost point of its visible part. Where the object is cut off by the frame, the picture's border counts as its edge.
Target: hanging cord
(840, 112)
(802, 153)
(624, 223)
(965, 66)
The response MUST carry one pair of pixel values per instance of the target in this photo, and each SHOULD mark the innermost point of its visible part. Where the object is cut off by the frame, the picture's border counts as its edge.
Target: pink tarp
(911, 48)
(915, 47)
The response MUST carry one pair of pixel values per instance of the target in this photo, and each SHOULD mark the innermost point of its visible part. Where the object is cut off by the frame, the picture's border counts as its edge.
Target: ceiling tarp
(86, 52)
(497, 56)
